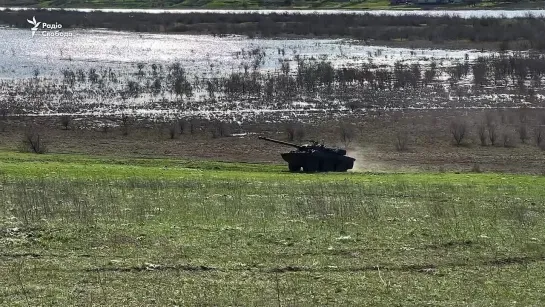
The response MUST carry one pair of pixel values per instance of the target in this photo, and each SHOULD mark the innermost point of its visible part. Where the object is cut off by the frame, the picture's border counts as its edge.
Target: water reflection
(203, 55)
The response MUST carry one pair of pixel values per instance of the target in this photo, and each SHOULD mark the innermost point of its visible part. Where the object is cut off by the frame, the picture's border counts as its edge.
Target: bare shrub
(3, 124)
(541, 118)
(504, 45)
(402, 140)
(481, 130)
(173, 129)
(3, 119)
(479, 72)
(290, 132)
(194, 126)
(458, 129)
(220, 129)
(490, 119)
(346, 133)
(126, 122)
(476, 168)
(353, 105)
(295, 131)
(183, 126)
(65, 121)
(539, 134)
(511, 119)
(224, 129)
(300, 133)
(523, 115)
(503, 117)
(509, 138)
(33, 142)
(397, 116)
(523, 133)
(493, 134)
(105, 128)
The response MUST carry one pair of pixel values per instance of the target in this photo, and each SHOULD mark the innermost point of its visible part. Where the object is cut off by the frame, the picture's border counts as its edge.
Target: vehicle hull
(317, 162)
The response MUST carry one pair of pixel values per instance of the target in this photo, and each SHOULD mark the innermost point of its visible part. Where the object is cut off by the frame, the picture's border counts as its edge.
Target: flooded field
(201, 55)
(105, 73)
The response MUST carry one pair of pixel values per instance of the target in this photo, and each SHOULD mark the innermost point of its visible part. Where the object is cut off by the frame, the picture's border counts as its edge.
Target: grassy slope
(76, 230)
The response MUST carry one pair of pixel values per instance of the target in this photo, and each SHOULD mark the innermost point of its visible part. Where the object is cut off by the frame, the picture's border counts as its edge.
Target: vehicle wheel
(294, 167)
(327, 167)
(340, 167)
(310, 166)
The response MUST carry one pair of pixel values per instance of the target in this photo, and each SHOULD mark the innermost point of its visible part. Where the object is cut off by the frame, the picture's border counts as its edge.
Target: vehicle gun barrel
(279, 142)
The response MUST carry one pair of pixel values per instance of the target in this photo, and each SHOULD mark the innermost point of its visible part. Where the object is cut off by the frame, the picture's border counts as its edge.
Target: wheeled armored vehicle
(315, 157)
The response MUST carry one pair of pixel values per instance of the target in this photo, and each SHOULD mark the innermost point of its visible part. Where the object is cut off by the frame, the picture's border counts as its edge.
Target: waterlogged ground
(33, 73)
(84, 231)
(238, 79)
(201, 55)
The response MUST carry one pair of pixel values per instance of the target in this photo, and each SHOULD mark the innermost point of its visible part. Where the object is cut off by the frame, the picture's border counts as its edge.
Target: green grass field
(78, 230)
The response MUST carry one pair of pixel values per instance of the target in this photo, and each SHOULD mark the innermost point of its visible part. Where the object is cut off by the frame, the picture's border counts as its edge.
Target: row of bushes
(490, 130)
(317, 82)
(33, 139)
(310, 76)
(359, 26)
(494, 135)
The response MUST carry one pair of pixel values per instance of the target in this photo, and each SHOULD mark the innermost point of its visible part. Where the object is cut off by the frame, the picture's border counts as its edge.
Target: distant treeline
(526, 32)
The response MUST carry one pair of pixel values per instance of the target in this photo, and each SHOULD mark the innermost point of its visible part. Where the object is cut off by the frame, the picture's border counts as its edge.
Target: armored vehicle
(315, 157)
